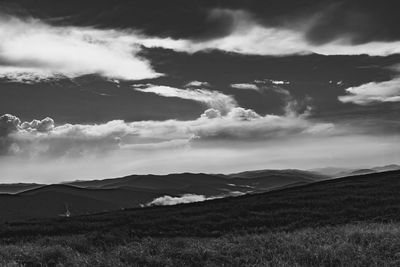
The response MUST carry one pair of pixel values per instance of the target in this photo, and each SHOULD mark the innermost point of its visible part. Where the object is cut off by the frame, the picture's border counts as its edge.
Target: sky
(98, 89)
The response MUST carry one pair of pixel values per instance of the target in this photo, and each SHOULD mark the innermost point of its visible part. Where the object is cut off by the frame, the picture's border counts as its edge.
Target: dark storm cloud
(360, 21)
(176, 18)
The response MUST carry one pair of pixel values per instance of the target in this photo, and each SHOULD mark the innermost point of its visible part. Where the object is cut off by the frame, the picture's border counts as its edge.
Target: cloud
(211, 114)
(245, 86)
(261, 85)
(8, 124)
(373, 92)
(212, 99)
(274, 86)
(293, 106)
(31, 51)
(279, 82)
(157, 146)
(197, 84)
(169, 200)
(45, 138)
(45, 125)
(248, 36)
(245, 124)
(187, 198)
(362, 21)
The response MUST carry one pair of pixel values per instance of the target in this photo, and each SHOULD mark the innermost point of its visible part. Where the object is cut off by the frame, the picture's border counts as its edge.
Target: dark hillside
(281, 173)
(51, 201)
(369, 198)
(84, 197)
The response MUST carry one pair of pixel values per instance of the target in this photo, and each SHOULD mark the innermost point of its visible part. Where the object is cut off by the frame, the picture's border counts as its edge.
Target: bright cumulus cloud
(43, 137)
(373, 92)
(31, 50)
(51, 152)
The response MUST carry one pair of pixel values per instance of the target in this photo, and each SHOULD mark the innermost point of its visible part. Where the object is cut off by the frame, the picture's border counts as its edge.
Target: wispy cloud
(31, 50)
(250, 37)
(261, 85)
(212, 99)
(279, 82)
(245, 86)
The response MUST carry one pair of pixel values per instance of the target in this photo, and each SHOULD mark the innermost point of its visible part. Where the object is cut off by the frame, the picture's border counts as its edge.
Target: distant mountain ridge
(336, 172)
(83, 197)
(22, 201)
(17, 187)
(359, 198)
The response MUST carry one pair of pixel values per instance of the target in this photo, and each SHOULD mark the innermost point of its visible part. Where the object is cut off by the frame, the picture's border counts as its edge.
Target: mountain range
(25, 201)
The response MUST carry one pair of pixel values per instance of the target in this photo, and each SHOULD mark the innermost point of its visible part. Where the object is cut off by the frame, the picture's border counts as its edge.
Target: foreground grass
(366, 244)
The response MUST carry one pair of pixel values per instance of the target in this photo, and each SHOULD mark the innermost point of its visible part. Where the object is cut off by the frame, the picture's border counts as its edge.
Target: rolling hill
(364, 198)
(351, 221)
(18, 187)
(51, 201)
(84, 197)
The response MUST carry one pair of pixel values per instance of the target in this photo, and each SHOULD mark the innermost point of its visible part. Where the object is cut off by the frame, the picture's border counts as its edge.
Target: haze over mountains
(22, 201)
(362, 198)
(341, 172)
(83, 197)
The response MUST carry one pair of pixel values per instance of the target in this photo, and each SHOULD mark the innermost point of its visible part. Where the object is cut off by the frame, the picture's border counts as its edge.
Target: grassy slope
(344, 222)
(372, 198)
(49, 201)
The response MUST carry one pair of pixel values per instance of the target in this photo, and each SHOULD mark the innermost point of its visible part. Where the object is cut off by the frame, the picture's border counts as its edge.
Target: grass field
(352, 221)
(349, 245)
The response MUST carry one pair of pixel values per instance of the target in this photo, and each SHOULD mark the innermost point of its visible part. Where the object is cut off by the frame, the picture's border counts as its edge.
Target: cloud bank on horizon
(43, 137)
